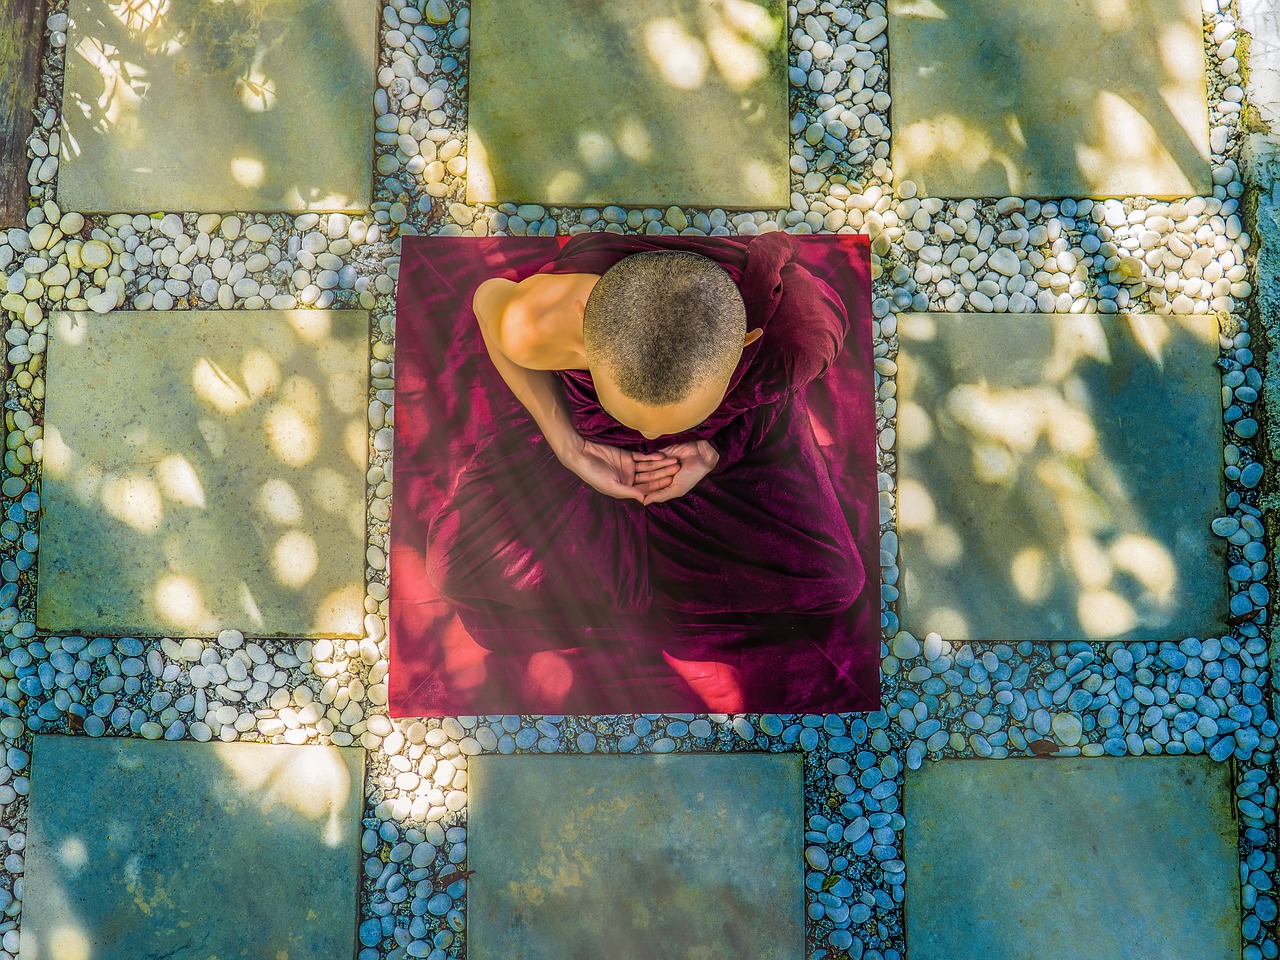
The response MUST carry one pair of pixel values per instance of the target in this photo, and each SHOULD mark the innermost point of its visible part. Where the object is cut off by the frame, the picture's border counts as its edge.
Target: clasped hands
(648, 477)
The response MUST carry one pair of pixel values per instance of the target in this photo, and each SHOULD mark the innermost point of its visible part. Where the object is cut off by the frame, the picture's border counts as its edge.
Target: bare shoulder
(537, 324)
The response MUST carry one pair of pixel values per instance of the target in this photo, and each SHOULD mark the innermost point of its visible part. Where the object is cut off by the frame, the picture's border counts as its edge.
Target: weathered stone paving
(585, 856)
(1088, 186)
(672, 102)
(180, 105)
(988, 101)
(205, 472)
(1138, 853)
(147, 850)
(1068, 523)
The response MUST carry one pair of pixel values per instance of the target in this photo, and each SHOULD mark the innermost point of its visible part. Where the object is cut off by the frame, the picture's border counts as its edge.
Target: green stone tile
(153, 851)
(1057, 475)
(186, 105)
(205, 469)
(1072, 98)
(695, 856)
(635, 103)
(1074, 859)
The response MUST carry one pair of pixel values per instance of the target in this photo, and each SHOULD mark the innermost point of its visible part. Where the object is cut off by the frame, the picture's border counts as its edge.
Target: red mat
(446, 385)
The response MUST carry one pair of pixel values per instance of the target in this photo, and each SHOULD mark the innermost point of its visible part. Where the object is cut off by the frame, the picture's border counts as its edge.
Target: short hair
(662, 321)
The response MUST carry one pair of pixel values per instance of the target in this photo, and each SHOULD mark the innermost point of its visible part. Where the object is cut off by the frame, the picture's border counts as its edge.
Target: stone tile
(1075, 98)
(596, 102)
(205, 470)
(141, 851)
(1072, 858)
(184, 105)
(635, 857)
(1058, 475)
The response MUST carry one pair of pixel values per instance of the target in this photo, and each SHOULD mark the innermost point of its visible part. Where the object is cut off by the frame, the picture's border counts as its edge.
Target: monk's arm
(536, 390)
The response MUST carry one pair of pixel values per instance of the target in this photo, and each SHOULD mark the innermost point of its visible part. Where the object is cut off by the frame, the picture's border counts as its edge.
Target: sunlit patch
(69, 943)
(355, 441)
(1072, 432)
(311, 326)
(633, 140)
(1151, 333)
(923, 9)
(134, 500)
(762, 178)
(331, 490)
(341, 612)
(1147, 561)
(1032, 574)
(139, 15)
(215, 387)
(943, 545)
(717, 684)
(680, 57)
(72, 329)
(597, 150)
(295, 559)
(347, 392)
(1014, 417)
(947, 140)
(73, 854)
(949, 622)
(256, 91)
(1075, 338)
(248, 171)
(564, 186)
(290, 423)
(740, 62)
(58, 457)
(280, 502)
(548, 678)
(261, 372)
(312, 781)
(993, 463)
(123, 84)
(1015, 130)
(916, 510)
(180, 482)
(1113, 15)
(1089, 562)
(1126, 151)
(178, 601)
(1103, 613)
(915, 428)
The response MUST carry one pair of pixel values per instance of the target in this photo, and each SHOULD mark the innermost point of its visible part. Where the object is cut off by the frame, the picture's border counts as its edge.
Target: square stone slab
(205, 470)
(181, 105)
(141, 851)
(1072, 858)
(636, 857)
(640, 102)
(1073, 98)
(1057, 476)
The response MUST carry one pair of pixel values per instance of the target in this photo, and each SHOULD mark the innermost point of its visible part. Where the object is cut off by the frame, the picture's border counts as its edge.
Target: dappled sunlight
(134, 500)
(313, 781)
(1070, 523)
(140, 15)
(987, 103)
(654, 84)
(681, 59)
(69, 943)
(237, 494)
(202, 105)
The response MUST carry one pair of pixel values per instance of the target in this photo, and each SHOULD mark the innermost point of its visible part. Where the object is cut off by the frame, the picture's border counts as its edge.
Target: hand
(695, 460)
(618, 473)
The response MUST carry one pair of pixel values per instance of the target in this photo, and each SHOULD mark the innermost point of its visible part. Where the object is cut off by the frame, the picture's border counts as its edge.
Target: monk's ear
(753, 336)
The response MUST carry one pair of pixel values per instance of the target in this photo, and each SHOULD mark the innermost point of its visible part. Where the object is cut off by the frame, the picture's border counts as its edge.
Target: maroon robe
(744, 589)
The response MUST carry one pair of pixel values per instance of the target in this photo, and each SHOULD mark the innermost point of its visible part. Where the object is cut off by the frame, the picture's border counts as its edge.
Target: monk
(661, 459)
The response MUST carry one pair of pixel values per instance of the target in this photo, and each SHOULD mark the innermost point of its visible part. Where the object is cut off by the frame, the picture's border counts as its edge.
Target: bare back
(539, 319)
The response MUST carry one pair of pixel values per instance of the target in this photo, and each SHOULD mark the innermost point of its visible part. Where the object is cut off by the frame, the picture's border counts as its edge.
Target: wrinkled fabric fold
(518, 589)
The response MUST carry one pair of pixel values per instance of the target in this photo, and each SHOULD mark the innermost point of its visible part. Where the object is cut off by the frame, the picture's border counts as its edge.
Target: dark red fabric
(747, 595)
